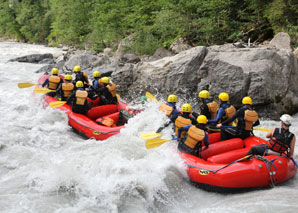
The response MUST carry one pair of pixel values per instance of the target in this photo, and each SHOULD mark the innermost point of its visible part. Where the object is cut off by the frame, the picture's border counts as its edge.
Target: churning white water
(46, 167)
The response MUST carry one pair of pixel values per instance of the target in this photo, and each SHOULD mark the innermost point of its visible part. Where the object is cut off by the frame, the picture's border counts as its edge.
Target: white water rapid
(46, 167)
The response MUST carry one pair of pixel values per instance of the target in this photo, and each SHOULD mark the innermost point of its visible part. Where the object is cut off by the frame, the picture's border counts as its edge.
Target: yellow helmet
(223, 96)
(105, 80)
(79, 84)
(77, 69)
(96, 74)
(55, 71)
(172, 98)
(247, 100)
(204, 94)
(68, 77)
(186, 108)
(202, 119)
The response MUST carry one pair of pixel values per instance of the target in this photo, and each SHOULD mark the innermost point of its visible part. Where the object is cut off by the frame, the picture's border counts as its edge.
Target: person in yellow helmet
(170, 107)
(65, 89)
(96, 83)
(195, 135)
(107, 93)
(180, 120)
(81, 76)
(246, 119)
(208, 107)
(225, 111)
(78, 99)
(53, 81)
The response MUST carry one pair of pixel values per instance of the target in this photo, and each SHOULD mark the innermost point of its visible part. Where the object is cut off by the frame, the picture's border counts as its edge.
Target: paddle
(260, 129)
(152, 143)
(26, 85)
(118, 97)
(56, 104)
(150, 135)
(42, 90)
(150, 97)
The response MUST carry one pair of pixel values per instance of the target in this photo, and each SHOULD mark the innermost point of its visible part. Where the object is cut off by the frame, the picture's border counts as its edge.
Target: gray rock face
(281, 41)
(268, 75)
(179, 45)
(160, 53)
(86, 61)
(130, 58)
(34, 58)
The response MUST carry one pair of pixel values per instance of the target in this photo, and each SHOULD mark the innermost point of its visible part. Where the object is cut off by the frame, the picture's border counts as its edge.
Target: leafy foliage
(98, 24)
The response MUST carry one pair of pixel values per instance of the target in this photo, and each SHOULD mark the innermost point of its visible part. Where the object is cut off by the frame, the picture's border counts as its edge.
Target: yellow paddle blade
(152, 143)
(150, 135)
(150, 97)
(263, 129)
(26, 85)
(42, 90)
(118, 96)
(57, 104)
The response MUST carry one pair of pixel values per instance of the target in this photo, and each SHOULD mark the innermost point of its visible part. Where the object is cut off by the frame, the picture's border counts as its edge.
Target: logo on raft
(204, 172)
(96, 133)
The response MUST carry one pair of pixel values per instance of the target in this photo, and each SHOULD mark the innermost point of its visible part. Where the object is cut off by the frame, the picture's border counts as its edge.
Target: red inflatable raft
(224, 167)
(86, 124)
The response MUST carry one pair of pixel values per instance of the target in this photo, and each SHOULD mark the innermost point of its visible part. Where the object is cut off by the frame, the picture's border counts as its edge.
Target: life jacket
(229, 112)
(54, 81)
(112, 89)
(81, 96)
(181, 122)
(82, 76)
(67, 89)
(166, 108)
(250, 116)
(281, 140)
(213, 107)
(109, 122)
(194, 136)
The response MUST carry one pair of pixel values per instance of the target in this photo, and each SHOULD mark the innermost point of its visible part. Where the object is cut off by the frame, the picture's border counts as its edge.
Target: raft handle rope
(269, 165)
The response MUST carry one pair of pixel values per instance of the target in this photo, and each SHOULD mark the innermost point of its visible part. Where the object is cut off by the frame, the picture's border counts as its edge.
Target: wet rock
(47, 61)
(34, 58)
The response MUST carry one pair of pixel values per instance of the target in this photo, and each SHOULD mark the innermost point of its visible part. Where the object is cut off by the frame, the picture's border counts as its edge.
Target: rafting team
(76, 92)
(190, 127)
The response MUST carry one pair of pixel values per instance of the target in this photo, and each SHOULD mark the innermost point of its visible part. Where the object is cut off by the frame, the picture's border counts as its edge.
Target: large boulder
(35, 58)
(268, 75)
(282, 41)
(86, 62)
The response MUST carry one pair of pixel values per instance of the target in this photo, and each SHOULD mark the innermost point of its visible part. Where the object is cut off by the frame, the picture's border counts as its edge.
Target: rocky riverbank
(267, 73)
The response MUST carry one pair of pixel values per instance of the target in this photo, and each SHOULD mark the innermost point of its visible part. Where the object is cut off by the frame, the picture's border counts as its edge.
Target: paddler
(53, 81)
(208, 107)
(195, 135)
(246, 117)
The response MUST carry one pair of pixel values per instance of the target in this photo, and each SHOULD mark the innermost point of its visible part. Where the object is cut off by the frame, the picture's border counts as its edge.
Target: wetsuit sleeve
(101, 90)
(193, 121)
(195, 115)
(45, 83)
(206, 140)
(219, 115)
(204, 110)
(184, 128)
(256, 123)
(95, 85)
(91, 95)
(59, 89)
(175, 112)
(236, 115)
(174, 117)
(163, 126)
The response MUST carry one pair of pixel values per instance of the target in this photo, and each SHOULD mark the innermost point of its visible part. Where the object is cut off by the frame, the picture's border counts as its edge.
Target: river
(46, 167)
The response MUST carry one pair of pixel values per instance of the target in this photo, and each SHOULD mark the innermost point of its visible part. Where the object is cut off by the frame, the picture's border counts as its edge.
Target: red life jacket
(281, 140)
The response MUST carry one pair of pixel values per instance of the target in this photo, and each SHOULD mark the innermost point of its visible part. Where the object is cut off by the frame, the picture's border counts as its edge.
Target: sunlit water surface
(46, 167)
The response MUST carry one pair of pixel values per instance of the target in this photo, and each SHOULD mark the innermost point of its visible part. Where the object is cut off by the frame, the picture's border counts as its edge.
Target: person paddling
(195, 135)
(208, 107)
(78, 99)
(65, 89)
(53, 81)
(246, 119)
(107, 93)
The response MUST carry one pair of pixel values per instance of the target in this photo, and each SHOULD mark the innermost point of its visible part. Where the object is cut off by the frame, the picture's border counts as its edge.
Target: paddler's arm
(184, 128)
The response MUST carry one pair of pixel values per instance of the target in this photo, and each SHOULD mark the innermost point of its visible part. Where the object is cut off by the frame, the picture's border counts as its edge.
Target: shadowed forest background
(147, 25)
